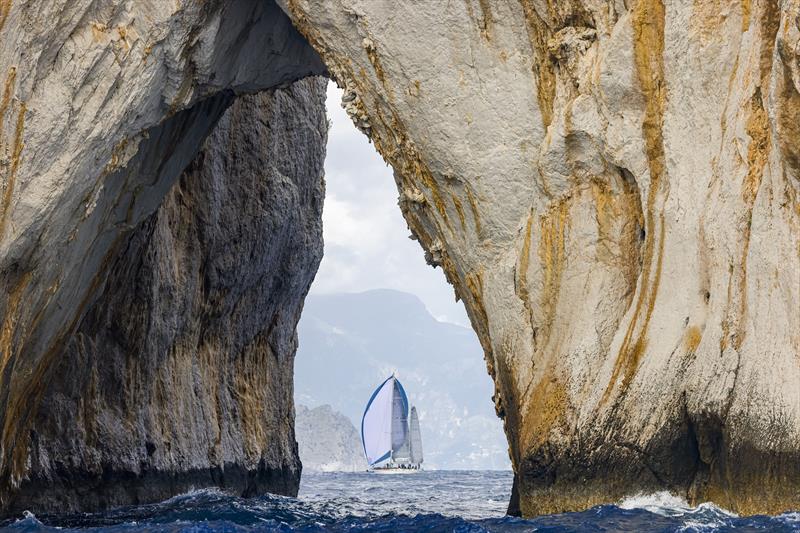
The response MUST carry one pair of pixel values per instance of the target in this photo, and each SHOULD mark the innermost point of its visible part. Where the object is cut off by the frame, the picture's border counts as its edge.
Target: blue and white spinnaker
(384, 427)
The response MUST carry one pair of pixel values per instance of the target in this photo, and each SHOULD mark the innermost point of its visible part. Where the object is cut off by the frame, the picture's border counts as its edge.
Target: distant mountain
(328, 441)
(351, 342)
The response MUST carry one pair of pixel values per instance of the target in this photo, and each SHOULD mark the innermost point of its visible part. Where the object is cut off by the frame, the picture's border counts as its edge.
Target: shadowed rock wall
(180, 372)
(171, 378)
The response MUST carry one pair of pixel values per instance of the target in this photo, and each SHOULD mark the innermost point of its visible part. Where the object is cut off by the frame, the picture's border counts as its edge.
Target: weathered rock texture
(146, 353)
(611, 186)
(180, 372)
(614, 190)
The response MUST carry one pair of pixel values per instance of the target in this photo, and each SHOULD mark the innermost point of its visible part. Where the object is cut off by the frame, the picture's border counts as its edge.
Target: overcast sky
(366, 237)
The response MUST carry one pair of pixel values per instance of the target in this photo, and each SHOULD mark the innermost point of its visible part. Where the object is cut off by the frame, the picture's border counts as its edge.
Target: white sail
(384, 426)
(415, 438)
(376, 424)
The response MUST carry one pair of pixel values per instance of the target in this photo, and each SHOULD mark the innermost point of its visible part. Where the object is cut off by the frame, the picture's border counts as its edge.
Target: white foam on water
(665, 503)
(28, 519)
(193, 494)
(694, 526)
(662, 503)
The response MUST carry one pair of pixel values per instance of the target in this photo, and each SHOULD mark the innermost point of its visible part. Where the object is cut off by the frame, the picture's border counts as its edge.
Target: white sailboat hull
(389, 471)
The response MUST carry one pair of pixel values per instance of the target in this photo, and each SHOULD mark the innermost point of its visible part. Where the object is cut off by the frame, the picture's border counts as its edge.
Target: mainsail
(384, 426)
(402, 454)
(415, 438)
(399, 416)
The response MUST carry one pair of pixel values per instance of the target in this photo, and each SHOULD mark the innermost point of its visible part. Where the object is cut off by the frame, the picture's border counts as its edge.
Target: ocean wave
(28, 519)
(667, 504)
(464, 502)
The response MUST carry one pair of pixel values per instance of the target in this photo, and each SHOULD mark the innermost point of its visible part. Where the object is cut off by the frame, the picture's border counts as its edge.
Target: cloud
(366, 237)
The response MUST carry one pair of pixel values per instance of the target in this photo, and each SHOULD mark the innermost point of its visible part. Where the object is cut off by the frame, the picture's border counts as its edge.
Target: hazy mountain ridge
(350, 342)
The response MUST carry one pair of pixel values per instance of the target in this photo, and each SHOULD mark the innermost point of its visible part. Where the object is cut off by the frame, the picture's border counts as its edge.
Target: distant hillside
(349, 343)
(328, 441)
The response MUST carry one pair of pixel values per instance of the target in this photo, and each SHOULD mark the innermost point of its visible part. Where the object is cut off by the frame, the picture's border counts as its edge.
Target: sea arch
(539, 164)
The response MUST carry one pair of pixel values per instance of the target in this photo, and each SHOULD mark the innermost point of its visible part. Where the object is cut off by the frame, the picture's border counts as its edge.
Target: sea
(429, 501)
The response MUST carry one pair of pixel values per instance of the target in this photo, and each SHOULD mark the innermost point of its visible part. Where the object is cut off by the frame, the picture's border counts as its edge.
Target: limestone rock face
(328, 441)
(613, 188)
(146, 353)
(180, 372)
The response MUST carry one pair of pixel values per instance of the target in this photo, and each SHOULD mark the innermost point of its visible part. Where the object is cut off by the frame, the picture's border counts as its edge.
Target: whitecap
(662, 503)
(196, 494)
(716, 509)
(28, 520)
(665, 503)
(790, 517)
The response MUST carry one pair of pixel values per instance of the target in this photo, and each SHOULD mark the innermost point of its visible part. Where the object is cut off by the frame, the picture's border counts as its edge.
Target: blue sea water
(436, 501)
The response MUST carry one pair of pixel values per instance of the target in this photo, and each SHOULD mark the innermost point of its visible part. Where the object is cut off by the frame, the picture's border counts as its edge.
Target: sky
(366, 236)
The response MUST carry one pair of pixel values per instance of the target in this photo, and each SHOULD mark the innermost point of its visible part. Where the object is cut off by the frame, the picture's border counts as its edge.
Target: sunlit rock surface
(612, 187)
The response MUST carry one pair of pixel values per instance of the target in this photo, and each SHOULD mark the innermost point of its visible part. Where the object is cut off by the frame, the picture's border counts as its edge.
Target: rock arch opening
(153, 349)
(375, 308)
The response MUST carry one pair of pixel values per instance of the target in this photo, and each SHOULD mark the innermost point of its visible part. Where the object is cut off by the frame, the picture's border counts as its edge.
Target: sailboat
(389, 432)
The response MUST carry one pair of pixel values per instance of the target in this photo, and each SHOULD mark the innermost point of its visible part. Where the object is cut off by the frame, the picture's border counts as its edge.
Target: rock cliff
(328, 441)
(147, 349)
(180, 372)
(612, 188)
